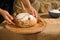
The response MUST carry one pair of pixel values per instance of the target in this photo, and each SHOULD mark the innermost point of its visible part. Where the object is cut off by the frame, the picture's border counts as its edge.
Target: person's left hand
(32, 11)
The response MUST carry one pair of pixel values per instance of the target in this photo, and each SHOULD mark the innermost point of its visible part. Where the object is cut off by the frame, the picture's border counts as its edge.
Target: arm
(6, 16)
(26, 3)
(29, 8)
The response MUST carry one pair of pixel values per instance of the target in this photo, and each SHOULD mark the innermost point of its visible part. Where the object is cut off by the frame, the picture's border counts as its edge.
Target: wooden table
(51, 32)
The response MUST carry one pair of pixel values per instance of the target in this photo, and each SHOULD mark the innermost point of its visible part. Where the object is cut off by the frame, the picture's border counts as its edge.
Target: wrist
(1, 11)
(29, 7)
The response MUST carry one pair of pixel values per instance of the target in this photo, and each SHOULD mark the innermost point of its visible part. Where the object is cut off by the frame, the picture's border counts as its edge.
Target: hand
(59, 8)
(32, 11)
(7, 16)
(29, 8)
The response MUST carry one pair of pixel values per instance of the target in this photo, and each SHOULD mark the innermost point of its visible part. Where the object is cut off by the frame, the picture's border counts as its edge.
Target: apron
(18, 7)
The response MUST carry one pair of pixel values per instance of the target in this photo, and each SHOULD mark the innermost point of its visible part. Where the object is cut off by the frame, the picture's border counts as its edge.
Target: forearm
(26, 3)
(1, 10)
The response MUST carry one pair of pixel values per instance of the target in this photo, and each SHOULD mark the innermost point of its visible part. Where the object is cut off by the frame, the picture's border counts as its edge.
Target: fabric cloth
(18, 7)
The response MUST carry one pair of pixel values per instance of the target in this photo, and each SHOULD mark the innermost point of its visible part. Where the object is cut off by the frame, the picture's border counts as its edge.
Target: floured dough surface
(26, 20)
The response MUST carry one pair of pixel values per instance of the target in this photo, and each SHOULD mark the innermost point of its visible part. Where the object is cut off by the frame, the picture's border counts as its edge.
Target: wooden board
(35, 29)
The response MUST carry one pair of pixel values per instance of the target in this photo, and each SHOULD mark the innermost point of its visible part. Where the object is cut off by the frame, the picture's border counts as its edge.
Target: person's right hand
(7, 16)
(59, 8)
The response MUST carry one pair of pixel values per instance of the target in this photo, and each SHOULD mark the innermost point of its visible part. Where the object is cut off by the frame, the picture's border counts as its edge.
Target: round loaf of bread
(25, 20)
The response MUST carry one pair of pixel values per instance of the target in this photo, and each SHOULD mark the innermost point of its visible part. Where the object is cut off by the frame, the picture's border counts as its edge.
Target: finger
(9, 20)
(10, 16)
(35, 14)
(32, 13)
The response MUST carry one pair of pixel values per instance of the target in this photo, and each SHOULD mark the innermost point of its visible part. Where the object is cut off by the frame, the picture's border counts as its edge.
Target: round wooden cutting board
(35, 29)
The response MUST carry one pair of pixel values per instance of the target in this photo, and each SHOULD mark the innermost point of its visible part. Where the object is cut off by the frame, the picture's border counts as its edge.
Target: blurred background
(42, 6)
